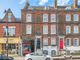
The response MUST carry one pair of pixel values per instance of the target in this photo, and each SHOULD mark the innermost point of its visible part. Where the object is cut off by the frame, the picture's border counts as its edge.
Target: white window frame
(30, 30)
(69, 29)
(69, 41)
(68, 17)
(77, 31)
(45, 17)
(45, 41)
(53, 17)
(77, 42)
(53, 40)
(9, 31)
(45, 29)
(53, 29)
(76, 17)
(28, 17)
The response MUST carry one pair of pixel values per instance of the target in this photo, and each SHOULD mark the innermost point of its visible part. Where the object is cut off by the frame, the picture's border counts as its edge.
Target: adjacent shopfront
(13, 46)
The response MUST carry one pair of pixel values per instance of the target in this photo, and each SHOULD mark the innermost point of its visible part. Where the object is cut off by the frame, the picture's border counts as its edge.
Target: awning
(10, 40)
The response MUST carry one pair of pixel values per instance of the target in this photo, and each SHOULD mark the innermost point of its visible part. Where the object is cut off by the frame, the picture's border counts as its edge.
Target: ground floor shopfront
(13, 45)
(51, 45)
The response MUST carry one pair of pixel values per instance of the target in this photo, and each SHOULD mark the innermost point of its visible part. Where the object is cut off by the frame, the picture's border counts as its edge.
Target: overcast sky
(17, 5)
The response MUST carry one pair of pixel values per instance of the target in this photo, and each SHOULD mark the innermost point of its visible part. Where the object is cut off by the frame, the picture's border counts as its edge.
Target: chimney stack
(75, 3)
(55, 3)
(27, 4)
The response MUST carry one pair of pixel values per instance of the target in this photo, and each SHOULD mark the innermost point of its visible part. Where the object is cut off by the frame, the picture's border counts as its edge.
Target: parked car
(3, 57)
(37, 56)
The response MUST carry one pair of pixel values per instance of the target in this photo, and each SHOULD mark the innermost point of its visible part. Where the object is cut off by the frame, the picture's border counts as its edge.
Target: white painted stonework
(50, 48)
(73, 48)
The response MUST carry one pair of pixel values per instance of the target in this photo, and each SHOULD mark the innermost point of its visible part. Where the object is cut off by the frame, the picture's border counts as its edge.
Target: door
(61, 43)
(32, 46)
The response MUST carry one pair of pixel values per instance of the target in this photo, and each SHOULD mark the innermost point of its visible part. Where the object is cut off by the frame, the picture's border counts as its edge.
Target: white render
(73, 48)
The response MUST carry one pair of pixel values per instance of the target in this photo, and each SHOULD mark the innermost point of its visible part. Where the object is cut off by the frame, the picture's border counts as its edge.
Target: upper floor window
(68, 17)
(76, 30)
(45, 17)
(53, 40)
(53, 17)
(53, 29)
(76, 42)
(28, 29)
(45, 29)
(76, 17)
(68, 29)
(68, 42)
(9, 17)
(9, 31)
(28, 17)
(45, 41)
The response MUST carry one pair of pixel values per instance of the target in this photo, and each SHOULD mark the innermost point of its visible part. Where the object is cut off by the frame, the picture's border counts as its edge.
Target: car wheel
(29, 59)
(47, 59)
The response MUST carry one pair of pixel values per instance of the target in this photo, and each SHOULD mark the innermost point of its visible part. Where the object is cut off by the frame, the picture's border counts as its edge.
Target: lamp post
(7, 40)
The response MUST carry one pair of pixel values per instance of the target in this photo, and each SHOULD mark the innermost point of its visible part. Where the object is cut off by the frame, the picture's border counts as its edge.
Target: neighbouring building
(10, 30)
(51, 30)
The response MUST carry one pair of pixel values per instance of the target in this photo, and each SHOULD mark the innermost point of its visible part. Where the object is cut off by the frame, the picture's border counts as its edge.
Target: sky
(17, 5)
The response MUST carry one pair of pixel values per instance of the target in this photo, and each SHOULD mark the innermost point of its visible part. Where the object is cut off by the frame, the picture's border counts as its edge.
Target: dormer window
(9, 17)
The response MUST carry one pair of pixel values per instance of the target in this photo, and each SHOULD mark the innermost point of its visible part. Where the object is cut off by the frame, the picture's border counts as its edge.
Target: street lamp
(7, 40)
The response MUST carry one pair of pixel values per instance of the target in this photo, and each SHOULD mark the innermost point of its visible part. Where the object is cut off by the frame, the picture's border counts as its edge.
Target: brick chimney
(75, 3)
(55, 3)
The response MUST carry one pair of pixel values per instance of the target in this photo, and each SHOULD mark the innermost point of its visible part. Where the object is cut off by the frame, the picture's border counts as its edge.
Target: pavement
(19, 58)
(55, 58)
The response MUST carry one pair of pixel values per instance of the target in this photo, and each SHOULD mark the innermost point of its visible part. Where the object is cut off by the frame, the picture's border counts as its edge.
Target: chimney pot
(55, 3)
(75, 3)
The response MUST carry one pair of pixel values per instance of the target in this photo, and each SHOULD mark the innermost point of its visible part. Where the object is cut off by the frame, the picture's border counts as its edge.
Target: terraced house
(51, 30)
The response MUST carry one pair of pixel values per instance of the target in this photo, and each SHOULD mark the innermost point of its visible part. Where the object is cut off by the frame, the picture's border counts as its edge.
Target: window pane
(45, 41)
(53, 41)
(68, 17)
(76, 30)
(53, 17)
(68, 42)
(11, 31)
(45, 17)
(76, 17)
(76, 42)
(5, 31)
(9, 17)
(45, 29)
(28, 18)
(28, 29)
(68, 29)
(53, 29)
